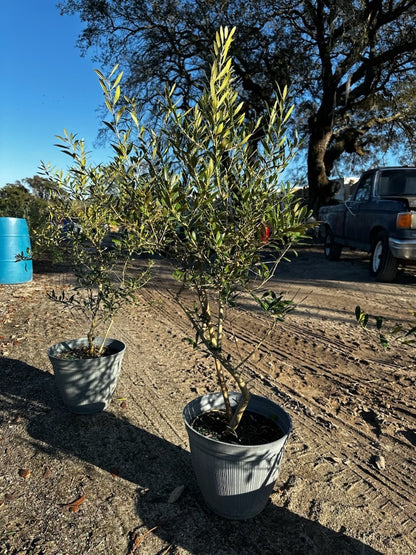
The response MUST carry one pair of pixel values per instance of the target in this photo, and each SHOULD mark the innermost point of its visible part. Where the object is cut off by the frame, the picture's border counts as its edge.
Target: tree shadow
(156, 467)
(310, 264)
(46, 266)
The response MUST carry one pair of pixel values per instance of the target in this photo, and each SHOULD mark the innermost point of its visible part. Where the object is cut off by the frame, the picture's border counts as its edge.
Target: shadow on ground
(352, 267)
(155, 467)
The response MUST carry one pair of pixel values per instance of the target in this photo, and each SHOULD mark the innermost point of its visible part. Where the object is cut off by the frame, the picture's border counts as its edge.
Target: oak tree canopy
(350, 65)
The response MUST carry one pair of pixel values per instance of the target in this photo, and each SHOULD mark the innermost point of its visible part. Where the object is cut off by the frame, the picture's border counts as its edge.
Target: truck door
(357, 222)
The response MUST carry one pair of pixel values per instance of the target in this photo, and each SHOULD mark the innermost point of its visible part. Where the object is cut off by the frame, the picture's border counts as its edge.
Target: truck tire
(331, 248)
(383, 265)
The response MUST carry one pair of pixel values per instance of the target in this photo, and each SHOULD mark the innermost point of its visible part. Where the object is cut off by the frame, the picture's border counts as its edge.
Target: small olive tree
(218, 185)
(101, 218)
(400, 333)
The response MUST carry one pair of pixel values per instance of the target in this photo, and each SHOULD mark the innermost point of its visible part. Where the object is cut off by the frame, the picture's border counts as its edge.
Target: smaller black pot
(86, 385)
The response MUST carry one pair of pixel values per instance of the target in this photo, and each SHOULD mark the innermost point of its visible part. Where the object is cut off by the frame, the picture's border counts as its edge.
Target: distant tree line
(26, 199)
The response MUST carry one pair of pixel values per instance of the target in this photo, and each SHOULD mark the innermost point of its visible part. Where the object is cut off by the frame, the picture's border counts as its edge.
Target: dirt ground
(346, 484)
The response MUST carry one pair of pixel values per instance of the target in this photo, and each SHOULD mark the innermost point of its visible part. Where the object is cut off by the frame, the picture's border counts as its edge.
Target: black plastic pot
(86, 385)
(236, 480)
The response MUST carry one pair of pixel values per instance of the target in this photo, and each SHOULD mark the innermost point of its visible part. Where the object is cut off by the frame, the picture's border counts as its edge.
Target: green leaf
(110, 126)
(362, 317)
(114, 70)
(108, 104)
(120, 113)
(118, 149)
(117, 80)
(384, 341)
(100, 75)
(117, 95)
(397, 329)
(103, 85)
(134, 118)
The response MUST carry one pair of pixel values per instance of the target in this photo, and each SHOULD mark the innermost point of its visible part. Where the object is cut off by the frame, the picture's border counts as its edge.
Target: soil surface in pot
(83, 353)
(254, 429)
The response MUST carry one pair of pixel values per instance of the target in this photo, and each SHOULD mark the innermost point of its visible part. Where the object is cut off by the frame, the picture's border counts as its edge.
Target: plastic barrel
(14, 239)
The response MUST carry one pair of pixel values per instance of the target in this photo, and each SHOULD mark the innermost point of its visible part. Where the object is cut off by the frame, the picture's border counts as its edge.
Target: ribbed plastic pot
(236, 480)
(86, 385)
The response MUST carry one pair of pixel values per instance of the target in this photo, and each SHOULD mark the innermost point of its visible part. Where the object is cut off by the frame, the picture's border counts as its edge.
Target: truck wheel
(331, 248)
(383, 265)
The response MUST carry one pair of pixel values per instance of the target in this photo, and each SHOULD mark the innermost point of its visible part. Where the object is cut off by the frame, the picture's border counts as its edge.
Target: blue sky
(46, 86)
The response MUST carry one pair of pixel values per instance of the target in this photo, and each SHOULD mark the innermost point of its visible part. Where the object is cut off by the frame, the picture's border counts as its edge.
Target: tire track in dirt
(349, 402)
(327, 367)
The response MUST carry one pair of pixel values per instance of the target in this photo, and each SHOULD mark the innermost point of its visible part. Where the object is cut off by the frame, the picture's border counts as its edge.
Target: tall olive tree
(215, 196)
(350, 64)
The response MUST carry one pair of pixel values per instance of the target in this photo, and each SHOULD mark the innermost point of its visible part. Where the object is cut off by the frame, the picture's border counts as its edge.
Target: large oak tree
(350, 64)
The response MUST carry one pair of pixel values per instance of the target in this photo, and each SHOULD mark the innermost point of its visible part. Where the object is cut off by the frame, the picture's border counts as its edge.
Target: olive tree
(101, 218)
(216, 194)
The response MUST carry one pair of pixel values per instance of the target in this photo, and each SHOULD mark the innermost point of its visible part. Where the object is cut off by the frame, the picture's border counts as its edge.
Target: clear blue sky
(46, 86)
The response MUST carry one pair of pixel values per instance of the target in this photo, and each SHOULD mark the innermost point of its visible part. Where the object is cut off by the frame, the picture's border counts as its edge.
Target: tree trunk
(320, 128)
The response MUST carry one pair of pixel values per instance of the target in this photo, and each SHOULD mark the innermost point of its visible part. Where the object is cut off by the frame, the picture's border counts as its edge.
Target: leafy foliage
(101, 218)
(41, 187)
(397, 332)
(16, 201)
(350, 65)
(216, 193)
(202, 189)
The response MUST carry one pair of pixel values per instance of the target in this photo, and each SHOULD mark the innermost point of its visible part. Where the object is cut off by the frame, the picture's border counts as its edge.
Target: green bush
(16, 201)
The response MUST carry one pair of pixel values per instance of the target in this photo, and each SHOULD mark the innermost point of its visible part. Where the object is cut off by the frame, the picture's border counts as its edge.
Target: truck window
(397, 182)
(363, 191)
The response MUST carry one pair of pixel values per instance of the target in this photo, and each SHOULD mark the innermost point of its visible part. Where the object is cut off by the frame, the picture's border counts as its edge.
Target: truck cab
(379, 217)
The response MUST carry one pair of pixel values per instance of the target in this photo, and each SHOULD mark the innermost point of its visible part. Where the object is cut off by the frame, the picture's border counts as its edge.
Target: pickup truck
(379, 217)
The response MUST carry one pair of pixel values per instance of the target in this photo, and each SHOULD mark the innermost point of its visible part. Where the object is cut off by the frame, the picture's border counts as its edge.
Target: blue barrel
(14, 239)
